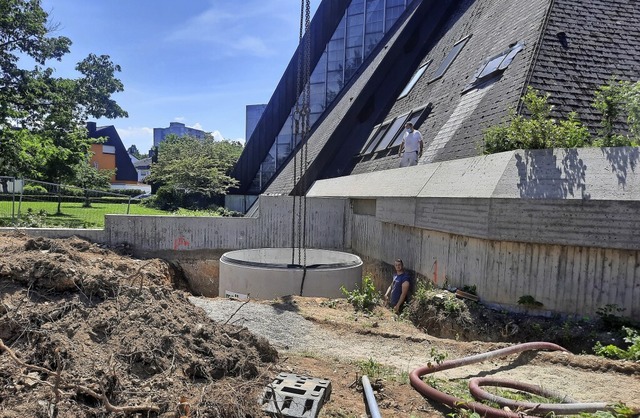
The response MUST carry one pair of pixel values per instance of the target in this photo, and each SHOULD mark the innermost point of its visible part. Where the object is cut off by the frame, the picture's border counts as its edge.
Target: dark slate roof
(586, 42)
(493, 27)
(343, 128)
(143, 163)
(454, 128)
(571, 47)
(125, 171)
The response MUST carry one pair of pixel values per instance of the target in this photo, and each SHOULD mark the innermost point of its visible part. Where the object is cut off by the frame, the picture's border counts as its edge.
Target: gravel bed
(283, 329)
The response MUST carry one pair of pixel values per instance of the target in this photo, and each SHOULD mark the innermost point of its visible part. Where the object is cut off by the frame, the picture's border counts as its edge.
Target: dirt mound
(87, 332)
(440, 313)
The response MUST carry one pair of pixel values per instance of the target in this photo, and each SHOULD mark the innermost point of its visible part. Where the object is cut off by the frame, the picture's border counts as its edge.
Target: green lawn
(73, 214)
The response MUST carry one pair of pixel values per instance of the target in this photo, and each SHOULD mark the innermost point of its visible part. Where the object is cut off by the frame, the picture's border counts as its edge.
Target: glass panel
(318, 94)
(413, 118)
(395, 129)
(505, 63)
(414, 79)
(319, 74)
(383, 129)
(371, 136)
(449, 58)
(491, 66)
(394, 10)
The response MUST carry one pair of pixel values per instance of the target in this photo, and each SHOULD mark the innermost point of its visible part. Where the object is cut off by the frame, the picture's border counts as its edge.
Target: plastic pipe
(371, 399)
(415, 378)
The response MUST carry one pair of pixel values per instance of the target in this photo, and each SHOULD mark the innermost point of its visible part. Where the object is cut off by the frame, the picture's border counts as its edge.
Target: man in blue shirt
(399, 289)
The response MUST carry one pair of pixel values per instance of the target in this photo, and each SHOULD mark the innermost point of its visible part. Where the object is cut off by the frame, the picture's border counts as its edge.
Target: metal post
(372, 405)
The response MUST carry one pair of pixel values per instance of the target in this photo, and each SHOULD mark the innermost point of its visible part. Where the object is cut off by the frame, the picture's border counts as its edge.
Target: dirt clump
(88, 332)
(440, 313)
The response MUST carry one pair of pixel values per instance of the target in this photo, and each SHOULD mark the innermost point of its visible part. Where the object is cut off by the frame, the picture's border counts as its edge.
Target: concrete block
(296, 396)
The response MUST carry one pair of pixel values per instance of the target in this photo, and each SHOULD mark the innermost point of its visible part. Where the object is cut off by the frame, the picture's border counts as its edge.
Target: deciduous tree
(42, 117)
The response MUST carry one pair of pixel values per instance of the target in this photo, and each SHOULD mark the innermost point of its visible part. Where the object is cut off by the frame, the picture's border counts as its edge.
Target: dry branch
(83, 389)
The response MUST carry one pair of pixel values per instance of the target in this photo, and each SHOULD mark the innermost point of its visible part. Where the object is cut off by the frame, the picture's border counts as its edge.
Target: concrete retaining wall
(562, 226)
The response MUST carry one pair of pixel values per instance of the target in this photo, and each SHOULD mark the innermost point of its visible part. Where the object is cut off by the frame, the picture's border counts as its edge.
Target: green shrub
(618, 102)
(166, 198)
(364, 299)
(630, 353)
(538, 130)
(34, 189)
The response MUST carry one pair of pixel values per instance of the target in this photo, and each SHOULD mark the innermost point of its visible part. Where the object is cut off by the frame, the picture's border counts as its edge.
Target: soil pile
(86, 331)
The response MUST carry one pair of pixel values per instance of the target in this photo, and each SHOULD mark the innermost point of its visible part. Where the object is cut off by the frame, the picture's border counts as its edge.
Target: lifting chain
(300, 129)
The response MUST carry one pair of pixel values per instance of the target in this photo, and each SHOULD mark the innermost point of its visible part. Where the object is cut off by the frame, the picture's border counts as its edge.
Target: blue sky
(199, 62)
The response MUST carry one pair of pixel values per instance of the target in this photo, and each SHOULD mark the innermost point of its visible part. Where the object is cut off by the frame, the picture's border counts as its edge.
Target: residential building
(143, 167)
(177, 129)
(112, 155)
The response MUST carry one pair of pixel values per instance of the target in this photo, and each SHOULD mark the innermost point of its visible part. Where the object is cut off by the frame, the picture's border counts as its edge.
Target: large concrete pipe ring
(268, 273)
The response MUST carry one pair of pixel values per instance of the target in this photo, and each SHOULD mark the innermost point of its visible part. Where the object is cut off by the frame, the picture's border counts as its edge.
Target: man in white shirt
(411, 147)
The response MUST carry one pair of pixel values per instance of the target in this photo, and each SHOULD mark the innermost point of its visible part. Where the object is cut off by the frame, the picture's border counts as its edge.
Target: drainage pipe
(567, 407)
(371, 399)
(482, 409)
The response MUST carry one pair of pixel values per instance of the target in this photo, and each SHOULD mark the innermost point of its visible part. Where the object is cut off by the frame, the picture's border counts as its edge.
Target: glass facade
(360, 30)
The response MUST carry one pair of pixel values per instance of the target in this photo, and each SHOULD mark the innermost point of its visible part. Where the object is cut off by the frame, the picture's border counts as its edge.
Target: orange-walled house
(112, 154)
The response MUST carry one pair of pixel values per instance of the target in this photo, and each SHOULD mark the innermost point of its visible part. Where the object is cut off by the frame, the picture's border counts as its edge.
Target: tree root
(80, 389)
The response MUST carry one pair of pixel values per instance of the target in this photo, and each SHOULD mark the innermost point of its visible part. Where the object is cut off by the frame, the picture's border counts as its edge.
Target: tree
(191, 166)
(90, 178)
(133, 150)
(618, 102)
(42, 118)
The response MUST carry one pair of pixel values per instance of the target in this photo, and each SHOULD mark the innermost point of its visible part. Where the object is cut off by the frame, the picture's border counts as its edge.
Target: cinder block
(295, 396)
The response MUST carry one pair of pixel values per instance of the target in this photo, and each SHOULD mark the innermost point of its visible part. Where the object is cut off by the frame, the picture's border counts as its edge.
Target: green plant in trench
(364, 299)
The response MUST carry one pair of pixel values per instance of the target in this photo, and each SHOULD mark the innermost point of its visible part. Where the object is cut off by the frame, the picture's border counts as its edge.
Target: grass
(73, 214)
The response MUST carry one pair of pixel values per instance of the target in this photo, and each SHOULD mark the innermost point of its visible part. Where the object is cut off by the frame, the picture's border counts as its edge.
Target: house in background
(177, 129)
(112, 155)
(143, 167)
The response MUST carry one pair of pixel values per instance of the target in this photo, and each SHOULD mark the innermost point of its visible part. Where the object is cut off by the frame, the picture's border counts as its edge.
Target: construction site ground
(89, 331)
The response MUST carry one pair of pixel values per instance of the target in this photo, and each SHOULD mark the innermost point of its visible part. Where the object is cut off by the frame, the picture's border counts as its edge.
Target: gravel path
(289, 331)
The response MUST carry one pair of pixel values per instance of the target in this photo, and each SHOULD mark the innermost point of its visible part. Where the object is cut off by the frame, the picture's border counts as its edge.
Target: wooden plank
(583, 281)
(570, 286)
(525, 268)
(596, 278)
(608, 278)
(635, 313)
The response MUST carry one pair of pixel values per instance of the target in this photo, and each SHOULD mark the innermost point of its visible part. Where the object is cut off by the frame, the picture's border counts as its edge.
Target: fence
(32, 203)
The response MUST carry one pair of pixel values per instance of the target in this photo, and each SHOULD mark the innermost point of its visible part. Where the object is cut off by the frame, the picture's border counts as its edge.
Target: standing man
(411, 147)
(399, 289)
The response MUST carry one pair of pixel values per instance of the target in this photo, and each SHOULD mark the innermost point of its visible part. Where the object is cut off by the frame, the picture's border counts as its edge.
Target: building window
(376, 135)
(417, 117)
(108, 149)
(394, 130)
(414, 79)
(457, 47)
(495, 65)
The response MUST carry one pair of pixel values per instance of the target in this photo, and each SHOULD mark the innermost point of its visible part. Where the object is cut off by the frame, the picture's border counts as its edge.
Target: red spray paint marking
(180, 242)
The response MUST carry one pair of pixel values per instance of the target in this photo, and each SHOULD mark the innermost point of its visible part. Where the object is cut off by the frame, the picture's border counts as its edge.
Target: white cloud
(142, 137)
(227, 27)
(179, 119)
(197, 126)
(217, 136)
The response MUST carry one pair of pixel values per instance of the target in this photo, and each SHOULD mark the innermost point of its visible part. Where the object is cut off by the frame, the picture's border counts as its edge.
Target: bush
(631, 353)
(34, 189)
(365, 299)
(166, 198)
(538, 130)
